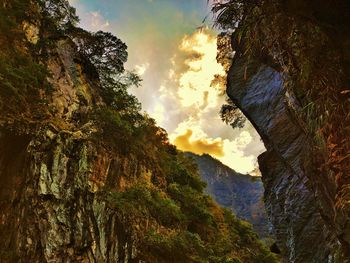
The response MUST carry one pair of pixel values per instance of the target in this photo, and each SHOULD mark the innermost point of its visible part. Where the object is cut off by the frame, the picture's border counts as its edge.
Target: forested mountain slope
(241, 193)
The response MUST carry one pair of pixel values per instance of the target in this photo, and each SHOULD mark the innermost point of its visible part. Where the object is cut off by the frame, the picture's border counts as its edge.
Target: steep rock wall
(51, 181)
(295, 208)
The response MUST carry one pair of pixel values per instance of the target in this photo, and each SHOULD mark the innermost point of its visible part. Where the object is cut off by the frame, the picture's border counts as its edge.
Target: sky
(174, 52)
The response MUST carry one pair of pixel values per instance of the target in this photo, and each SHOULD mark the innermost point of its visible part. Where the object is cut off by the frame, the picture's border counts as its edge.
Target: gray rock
(291, 203)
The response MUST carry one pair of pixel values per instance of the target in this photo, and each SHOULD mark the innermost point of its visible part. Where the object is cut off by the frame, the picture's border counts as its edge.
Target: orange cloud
(200, 146)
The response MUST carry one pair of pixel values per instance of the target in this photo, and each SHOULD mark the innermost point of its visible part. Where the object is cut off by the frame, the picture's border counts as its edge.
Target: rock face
(243, 194)
(55, 215)
(50, 207)
(293, 206)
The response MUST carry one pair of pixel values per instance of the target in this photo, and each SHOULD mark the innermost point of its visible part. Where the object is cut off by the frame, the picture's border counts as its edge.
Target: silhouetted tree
(62, 15)
(230, 114)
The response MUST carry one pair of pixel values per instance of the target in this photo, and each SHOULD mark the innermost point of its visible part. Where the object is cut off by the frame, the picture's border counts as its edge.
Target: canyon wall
(296, 209)
(50, 200)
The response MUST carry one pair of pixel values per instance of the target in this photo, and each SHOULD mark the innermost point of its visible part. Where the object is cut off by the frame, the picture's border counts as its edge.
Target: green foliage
(229, 13)
(183, 171)
(231, 114)
(61, 11)
(177, 221)
(107, 54)
(142, 201)
(117, 130)
(58, 15)
(10, 14)
(105, 51)
(193, 203)
(163, 225)
(22, 76)
(177, 246)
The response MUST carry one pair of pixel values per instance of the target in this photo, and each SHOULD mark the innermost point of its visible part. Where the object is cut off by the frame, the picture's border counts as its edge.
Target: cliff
(297, 101)
(241, 193)
(50, 177)
(85, 177)
(289, 201)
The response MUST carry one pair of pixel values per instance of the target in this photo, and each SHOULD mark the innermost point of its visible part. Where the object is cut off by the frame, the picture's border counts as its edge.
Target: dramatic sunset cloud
(199, 146)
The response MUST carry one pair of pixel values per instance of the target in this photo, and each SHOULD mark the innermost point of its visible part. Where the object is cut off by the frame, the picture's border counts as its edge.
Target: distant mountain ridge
(243, 194)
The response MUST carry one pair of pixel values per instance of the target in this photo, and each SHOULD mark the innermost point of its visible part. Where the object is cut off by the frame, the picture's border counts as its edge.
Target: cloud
(230, 152)
(235, 155)
(90, 20)
(141, 69)
(158, 113)
(189, 88)
(199, 146)
(97, 21)
(195, 89)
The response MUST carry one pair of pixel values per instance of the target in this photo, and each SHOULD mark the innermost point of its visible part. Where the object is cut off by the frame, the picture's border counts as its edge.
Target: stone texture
(293, 205)
(51, 208)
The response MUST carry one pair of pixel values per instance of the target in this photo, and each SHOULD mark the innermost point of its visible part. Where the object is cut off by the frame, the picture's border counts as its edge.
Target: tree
(106, 55)
(229, 13)
(105, 51)
(231, 114)
(62, 14)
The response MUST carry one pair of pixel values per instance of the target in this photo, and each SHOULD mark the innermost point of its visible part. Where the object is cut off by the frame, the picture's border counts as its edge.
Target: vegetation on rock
(241, 193)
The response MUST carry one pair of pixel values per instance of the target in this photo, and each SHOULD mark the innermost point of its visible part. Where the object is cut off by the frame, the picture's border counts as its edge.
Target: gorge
(86, 176)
